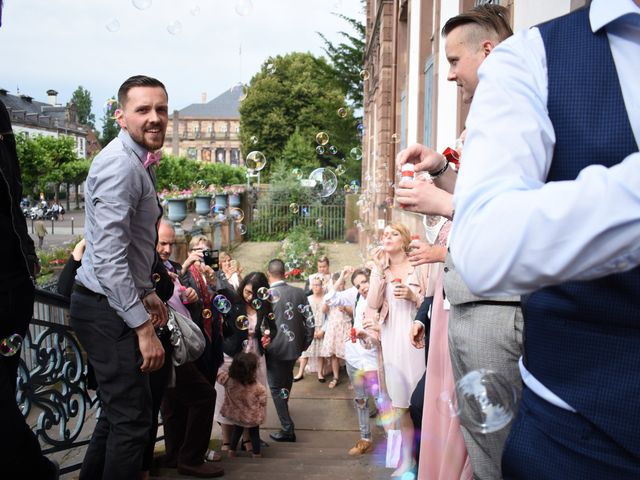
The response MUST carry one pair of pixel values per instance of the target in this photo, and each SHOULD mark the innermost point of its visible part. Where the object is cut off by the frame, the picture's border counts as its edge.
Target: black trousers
(20, 453)
(280, 378)
(122, 431)
(187, 412)
(254, 435)
(416, 405)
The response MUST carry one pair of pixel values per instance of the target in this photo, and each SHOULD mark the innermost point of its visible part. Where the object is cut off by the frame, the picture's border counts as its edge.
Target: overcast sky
(61, 44)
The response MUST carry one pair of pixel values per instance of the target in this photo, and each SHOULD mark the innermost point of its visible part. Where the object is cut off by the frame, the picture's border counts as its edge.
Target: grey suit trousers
(490, 337)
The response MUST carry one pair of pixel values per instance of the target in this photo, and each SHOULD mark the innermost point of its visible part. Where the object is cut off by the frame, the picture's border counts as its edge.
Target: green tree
(110, 127)
(295, 92)
(347, 60)
(299, 153)
(59, 152)
(81, 97)
(74, 173)
(33, 164)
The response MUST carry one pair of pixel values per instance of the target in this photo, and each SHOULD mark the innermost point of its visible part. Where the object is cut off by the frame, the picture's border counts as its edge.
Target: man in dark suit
(294, 335)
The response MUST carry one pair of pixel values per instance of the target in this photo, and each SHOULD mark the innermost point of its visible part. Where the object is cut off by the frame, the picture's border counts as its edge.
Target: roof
(224, 106)
(26, 111)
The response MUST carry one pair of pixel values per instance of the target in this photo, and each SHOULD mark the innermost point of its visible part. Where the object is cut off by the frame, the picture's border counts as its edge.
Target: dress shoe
(282, 436)
(204, 470)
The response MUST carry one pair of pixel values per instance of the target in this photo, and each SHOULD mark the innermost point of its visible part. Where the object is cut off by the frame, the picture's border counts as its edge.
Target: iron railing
(274, 218)
(52, 390)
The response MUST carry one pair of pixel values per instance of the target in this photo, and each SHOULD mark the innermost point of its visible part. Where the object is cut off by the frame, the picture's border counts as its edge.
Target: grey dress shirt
(121, 212)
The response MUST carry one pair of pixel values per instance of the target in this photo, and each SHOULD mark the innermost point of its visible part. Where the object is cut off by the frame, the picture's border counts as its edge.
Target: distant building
(208, 131)
(47, 118)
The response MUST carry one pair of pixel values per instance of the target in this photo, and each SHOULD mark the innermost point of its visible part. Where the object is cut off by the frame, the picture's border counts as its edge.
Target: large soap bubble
(325, 181)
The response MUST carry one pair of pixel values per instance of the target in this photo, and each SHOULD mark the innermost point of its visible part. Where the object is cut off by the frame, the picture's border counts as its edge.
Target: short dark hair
(243, 368)
(360, 271)
(276, 268)
(138, 81)
(323, 259)
(491, 18)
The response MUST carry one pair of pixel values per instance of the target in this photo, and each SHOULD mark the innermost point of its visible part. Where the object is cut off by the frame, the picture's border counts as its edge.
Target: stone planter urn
(177, 212)
(221, 201)
(235, 200)
(203, 204)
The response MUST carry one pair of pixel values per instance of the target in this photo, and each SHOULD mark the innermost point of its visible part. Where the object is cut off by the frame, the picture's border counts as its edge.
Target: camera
(211, 258)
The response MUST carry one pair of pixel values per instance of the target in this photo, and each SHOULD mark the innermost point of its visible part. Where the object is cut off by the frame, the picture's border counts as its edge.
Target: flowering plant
(175, 194)
(200, 189)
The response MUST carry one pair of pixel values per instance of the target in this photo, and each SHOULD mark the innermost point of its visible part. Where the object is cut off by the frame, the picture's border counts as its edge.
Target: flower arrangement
(201, 189)
(175, 194)
(300, 252)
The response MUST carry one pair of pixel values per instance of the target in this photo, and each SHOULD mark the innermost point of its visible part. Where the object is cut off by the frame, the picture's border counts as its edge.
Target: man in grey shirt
(114, 308)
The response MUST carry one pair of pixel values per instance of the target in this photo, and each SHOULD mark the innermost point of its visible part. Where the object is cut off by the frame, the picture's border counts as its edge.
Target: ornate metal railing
(52, 380)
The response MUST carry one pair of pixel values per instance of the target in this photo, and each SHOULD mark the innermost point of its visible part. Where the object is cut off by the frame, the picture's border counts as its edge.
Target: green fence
(275, 220)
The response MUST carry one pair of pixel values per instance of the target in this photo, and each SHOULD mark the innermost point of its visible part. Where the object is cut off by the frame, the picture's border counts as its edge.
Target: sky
(193, 46)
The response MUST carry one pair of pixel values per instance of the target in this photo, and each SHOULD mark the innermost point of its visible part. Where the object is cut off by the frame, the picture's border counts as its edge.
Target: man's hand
(157, 310)
(424, 158)
(417, 335)
(422, 196)
(422, 252)
(150, 347)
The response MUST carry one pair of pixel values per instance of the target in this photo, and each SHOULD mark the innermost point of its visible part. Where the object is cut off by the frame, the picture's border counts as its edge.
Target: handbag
(186, 337)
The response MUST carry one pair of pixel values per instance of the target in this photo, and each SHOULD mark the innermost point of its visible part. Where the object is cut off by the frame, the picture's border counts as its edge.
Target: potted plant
(202, 194)
(235, 195)
(176, 201)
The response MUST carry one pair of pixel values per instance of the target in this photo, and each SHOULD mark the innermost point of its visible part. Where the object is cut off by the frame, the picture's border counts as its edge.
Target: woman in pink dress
(443, 454)
(396, 290)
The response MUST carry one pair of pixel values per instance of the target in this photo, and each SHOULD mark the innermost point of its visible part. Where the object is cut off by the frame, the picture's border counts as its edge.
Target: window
(223, 128)
(235, 157)
(220, 155)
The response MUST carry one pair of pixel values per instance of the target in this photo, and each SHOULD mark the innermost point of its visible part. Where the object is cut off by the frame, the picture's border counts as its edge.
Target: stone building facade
(208, 131)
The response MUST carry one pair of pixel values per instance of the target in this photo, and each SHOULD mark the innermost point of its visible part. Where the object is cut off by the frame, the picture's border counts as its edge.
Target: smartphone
(211, 258)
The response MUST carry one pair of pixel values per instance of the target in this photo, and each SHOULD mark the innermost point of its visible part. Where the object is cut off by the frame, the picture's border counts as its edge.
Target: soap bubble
(320, 150)
(486, 401)
(156, 277)
(347, 188)
(242, 322)
(322, 138)
(395, 138)
(244, 344)
(319, 223)
(290, 336)
(325, 180)
(288, 306)
(360, 128)
(222, 304)
(274, 296)
(253, 140)
(256, 303)
(333, 149)
(309, 322)
(242, 229)
(356, 153)
(288, 314)
(113, 25)
(271, 316)
(284, 328)
(297, 173)
(244, 7)
(364, 74)
(284, 393)
(343, 112)
(294, 208)
(340, 170)
(141, 4)
(263, 293)
(447, 405)
(255, 161)
(10, 345)
(206, 313)
(174, 28)
(236, 214)
(355, 186)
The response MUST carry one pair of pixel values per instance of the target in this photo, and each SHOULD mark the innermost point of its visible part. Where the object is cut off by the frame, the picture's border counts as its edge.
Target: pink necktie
(152, 159)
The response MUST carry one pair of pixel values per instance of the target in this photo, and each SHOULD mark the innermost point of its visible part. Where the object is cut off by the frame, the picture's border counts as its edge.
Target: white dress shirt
(512, 232)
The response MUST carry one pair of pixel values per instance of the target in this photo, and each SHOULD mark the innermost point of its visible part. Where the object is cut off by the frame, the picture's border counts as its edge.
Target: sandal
(225, 447)
(333, 383)
(212, 456)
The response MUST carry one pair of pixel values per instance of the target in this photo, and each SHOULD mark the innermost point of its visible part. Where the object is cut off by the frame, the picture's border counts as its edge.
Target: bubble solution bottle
(407, 174)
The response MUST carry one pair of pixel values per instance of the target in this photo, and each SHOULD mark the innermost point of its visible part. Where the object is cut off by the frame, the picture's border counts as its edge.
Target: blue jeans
(358, 379)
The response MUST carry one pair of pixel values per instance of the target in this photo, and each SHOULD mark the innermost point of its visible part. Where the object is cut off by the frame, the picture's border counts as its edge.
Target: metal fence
(273, 219)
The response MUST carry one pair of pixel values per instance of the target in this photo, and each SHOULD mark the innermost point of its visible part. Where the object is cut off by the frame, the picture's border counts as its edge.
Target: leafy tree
(110, 127)
(81, 97)
(75, 172)
(295, 92)
(59, 151)
(347, 59)
(299, 153)
(182, 172)
(33, 164)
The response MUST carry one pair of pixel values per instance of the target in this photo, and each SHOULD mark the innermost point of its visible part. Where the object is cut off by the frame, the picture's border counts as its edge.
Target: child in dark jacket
(245, 400)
